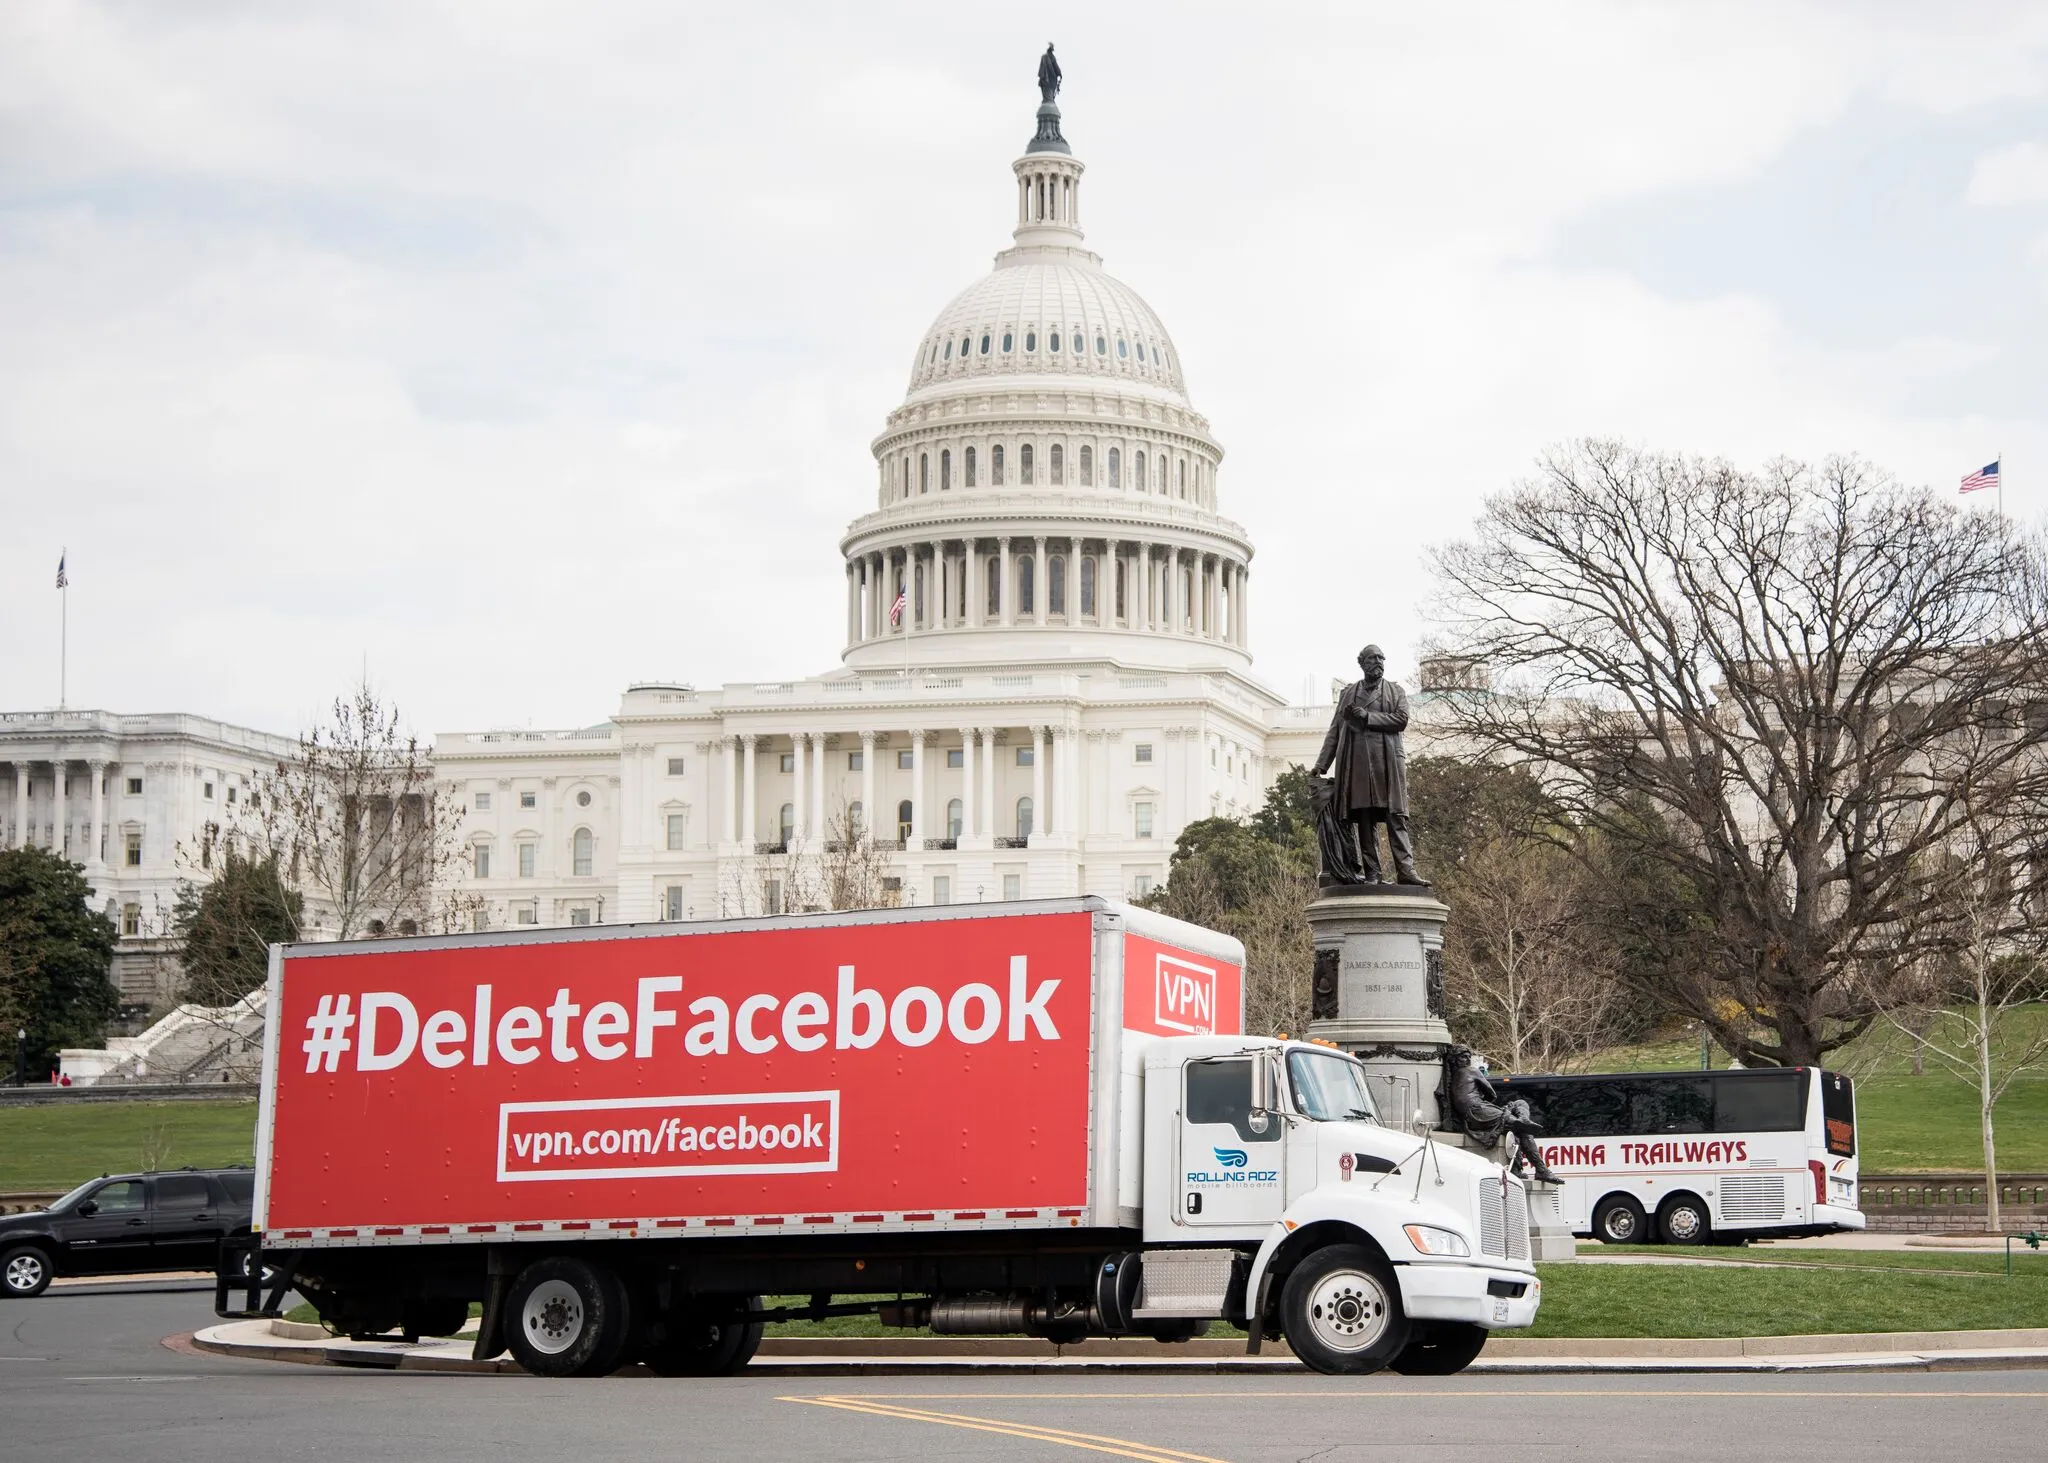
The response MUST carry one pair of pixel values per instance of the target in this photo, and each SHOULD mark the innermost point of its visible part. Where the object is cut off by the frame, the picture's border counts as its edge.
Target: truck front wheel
(1341, 1311)
(567, 1318)
(1440, 1348)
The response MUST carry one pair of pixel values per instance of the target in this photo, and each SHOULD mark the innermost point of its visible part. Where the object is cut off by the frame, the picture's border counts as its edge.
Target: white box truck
(1035, 1117)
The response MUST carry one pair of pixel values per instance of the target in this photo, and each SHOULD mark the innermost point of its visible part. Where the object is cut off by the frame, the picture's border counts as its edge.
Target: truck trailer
(1040, 1117)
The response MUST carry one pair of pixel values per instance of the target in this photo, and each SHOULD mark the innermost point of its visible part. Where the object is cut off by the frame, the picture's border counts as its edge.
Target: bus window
(1670, 1104)
(1580, 1110)
(1838, 1113)
(1758, 1102)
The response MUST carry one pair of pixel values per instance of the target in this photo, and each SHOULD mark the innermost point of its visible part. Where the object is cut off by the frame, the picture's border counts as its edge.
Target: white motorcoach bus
(1696, 1157)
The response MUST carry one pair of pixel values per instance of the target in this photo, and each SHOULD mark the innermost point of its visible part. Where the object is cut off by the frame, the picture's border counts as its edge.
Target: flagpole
(63, 631)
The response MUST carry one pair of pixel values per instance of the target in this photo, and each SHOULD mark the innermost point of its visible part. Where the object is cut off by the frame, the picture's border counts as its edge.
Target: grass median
(57, 1146)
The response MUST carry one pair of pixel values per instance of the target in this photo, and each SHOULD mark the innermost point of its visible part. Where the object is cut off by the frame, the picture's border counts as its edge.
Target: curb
(1905, 1352)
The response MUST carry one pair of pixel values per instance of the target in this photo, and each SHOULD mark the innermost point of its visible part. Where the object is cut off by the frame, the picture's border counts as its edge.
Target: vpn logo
(1231, 1157)
(1184, 996)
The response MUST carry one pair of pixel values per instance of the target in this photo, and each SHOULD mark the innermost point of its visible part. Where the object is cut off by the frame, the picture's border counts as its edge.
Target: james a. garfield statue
(1370, 785)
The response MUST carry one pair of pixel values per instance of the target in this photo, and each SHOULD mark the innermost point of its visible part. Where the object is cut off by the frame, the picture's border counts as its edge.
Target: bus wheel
(1619, 1221)
(1341, 1311)
(1441, 1348)
(1683, 1220)
(567, 1317)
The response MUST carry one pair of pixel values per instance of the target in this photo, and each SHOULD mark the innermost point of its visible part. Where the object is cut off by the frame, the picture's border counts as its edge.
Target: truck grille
(1503, 1219)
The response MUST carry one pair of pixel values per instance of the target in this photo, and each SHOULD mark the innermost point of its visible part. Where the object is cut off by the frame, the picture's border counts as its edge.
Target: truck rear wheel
(1341, 1311)
(706, 1343)
(1440, 1348)
(567, 1317)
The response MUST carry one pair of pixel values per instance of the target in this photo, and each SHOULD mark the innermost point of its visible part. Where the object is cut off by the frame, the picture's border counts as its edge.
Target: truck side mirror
(1262, 1093)
(89, 1208)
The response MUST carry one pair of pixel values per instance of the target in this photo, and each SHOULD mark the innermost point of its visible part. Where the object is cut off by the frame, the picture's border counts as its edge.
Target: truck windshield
(1329, 1088)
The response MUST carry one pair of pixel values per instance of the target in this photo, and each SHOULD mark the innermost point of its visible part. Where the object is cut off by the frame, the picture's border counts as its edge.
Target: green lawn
(2025, 1262)
(56, 1147)
(1690, 1300)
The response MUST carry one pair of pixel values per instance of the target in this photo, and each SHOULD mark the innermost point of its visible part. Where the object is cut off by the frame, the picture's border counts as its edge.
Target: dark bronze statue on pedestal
(1370, 785)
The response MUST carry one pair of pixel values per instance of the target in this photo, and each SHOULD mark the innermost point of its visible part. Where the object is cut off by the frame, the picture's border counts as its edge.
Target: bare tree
(846, 869)
(1773, 686)
(355, 825)
(1530, 976)
(1962, 1006)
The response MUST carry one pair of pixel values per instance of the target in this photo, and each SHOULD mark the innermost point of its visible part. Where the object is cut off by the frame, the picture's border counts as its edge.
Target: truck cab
(1361, 1243)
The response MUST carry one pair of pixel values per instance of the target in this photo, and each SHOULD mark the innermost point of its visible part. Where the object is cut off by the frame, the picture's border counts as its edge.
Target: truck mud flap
(1255, 1316)
(239, 1275)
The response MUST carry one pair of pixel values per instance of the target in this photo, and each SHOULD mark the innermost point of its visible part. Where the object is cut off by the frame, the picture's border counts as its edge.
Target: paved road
(87, 1376)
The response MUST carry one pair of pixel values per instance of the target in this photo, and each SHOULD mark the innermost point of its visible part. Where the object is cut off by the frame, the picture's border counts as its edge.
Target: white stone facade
(132, 798)
(1068, 684)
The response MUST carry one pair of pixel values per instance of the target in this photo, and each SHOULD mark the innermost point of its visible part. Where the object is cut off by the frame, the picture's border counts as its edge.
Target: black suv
(126, 1224)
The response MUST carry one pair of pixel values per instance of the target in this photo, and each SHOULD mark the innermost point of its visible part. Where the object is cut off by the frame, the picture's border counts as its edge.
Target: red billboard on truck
(793, 1073)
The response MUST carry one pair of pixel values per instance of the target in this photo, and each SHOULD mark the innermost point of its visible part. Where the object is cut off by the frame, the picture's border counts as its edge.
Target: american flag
(61, 580)
(896, 609)
(1984, 477)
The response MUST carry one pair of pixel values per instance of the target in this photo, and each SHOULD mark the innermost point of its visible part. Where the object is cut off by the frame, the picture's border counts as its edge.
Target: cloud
(2011, 175)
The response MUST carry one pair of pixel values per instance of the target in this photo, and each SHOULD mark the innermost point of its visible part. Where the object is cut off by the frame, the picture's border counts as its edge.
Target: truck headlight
(1433, 1241)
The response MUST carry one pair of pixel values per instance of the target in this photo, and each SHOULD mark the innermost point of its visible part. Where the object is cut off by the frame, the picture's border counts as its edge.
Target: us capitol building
(1046, 672)
(1065, 685)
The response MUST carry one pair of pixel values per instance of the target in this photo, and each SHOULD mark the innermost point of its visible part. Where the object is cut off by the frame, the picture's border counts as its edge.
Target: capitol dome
(1046, 490)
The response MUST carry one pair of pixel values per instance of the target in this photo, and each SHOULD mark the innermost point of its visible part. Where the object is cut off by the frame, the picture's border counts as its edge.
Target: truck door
(1230, 1172)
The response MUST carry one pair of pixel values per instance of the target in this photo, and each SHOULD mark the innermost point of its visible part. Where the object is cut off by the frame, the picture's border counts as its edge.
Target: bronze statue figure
(1478, 1111)
(1370, 786)
(1048, 75)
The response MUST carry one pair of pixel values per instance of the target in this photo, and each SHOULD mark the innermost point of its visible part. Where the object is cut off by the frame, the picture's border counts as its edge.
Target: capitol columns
(1006, 590)
(1140, 604)
(99, 813)
(1039, 580)
(60, 768)
(988, 780)
(867, 785)
(796, 791)
(977, 593)
(817, 828)
(852, 603)
(1041, 815)
(747, 798)
(20, 803)
(966, 784)
(916, 789)
(935, 586)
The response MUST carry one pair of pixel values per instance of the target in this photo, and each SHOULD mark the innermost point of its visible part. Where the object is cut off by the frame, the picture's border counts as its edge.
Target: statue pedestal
(1379, 991)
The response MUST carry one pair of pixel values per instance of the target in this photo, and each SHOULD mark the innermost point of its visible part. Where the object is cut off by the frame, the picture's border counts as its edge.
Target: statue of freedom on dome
(1048, 75)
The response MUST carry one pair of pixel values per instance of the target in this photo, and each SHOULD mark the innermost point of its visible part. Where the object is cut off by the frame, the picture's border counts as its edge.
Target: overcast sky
(518, 351)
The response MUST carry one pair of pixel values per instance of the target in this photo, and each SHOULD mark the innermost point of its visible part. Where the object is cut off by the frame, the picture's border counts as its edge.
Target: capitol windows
(1025, 566)
(1052, 341)
(483, 802)
(1088, 585)
(786, 821)
(984, 345)
(1182, 469)
(956, 756)
(787, 762)
(580, 853)
(1026, 756)
(1056, 583)
(1141, 350)
(1123, 349)
(1162, 478)
(1120, 611)
(1058, 465)
(1006, 342)
(968, 463)
(946, 470)
(903, 819)
(677, 823)
(527, 857)
(1030, 340)
(942, 889)
(905, 761)
(1024, 464)
(481, 860)
(994, 579)
(1077, 343)
(526, 800)
(953, 811)
(1141, 820)
(1013, 886)
(924, 472)
(1087, 467)
(1115, 464)
(857, 818)
(949, 351)
(995, 465)
(675, 767)
(1138, 471)
(1101, 346)
(1142, 752)
(856, 761)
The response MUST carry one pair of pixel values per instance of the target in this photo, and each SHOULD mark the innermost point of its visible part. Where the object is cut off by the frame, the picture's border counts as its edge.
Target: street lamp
(21, 1057)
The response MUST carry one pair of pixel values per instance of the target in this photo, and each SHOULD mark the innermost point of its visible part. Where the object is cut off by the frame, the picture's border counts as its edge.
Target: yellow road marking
(1089, 1442)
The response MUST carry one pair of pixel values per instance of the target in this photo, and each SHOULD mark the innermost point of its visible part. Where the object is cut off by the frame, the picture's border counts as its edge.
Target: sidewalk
(944, 1356)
